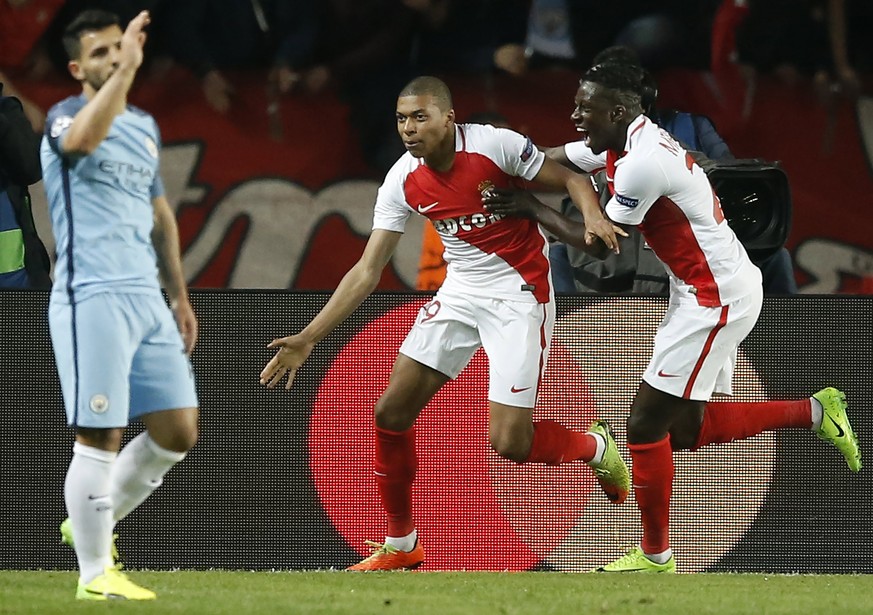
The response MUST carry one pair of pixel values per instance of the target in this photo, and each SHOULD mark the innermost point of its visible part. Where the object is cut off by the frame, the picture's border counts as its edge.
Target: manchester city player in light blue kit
(120, 353)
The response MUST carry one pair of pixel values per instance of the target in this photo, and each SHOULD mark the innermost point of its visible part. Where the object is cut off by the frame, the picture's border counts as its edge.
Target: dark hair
(648, 93)
(620, 54)
(87, 21)
(425, 85)
(625, 81)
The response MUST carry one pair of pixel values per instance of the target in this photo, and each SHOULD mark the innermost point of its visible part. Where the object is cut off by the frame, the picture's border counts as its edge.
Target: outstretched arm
(355, 286)
(524, 204)
(597, 226)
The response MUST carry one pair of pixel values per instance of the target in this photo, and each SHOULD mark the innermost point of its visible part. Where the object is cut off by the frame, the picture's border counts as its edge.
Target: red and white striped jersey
(488, 255)
(657, 186)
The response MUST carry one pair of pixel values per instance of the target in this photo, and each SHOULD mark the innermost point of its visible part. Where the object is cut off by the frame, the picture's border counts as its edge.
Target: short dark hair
(87, 21)
(426, 85)
(620, 54)
(625, 81)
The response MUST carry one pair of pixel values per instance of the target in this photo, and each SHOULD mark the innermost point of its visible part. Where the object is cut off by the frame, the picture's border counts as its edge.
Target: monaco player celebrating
(715, 299)
(497, 295)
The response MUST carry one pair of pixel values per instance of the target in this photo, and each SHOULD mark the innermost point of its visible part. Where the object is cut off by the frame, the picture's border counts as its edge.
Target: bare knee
(392, 417)
(645, 424)
(173, 430)
(185, 440)
(178, 441)
(510, 445)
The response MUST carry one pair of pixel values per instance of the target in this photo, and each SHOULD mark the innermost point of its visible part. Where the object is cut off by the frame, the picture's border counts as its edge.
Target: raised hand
(133, 40)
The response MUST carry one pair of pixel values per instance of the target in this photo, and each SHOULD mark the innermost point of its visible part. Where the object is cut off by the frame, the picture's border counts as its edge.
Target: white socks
(404, 543)
(137, 472)
(103, 487)
(86, 492)
(601, 448)
(660, 558)
(817, 413)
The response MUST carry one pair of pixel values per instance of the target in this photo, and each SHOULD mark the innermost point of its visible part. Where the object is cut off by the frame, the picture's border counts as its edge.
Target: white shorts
(696, 347)
(516, 336)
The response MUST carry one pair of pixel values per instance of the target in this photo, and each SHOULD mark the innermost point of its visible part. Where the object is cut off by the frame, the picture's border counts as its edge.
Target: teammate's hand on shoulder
(293, 351)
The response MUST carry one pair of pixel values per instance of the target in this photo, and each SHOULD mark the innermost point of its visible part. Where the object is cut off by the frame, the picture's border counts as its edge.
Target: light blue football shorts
(119, 356)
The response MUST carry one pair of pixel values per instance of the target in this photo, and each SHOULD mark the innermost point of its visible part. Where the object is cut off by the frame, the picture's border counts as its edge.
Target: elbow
(79, 147)
(81, 143)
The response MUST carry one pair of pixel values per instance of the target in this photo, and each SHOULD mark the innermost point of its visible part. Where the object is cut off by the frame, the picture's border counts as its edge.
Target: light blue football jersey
(101, 205)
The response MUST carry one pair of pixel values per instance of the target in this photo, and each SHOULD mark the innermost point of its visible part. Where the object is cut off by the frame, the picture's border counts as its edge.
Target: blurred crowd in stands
(372, 47)
(364, 51)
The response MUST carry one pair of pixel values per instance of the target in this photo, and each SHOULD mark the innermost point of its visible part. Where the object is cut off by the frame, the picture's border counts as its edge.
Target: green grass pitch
(447, 593)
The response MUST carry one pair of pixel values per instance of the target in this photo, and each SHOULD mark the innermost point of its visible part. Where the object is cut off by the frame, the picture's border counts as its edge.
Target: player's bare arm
(522, 203)
(586, 200)
(559, 155)
(165, 238)
(118, 56)
(356, 285)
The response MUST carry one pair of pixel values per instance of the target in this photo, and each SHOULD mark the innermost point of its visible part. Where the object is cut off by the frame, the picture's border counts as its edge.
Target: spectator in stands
(212, 36)
(24, 261)
(363, 49)
(673, 33)
(822, 39)
(476, 36)
(550, 38)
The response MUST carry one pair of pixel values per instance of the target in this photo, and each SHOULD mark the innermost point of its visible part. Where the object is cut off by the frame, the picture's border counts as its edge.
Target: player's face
(422, 125)
(98, 58)
(595, 118)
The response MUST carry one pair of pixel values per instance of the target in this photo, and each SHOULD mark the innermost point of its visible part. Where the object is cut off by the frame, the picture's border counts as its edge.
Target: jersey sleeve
(58, 121)
(581, 155)
(514, 153)
(519, 155)
(391, 210)
(638, 184)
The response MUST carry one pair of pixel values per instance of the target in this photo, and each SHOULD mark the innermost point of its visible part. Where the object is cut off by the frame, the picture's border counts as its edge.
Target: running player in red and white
(715, 299)
(497, 295)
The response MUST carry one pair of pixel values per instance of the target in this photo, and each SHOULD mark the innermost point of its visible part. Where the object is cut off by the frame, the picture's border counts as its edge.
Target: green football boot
(611, 472)
(835, 427)
(636, 561)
